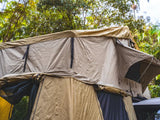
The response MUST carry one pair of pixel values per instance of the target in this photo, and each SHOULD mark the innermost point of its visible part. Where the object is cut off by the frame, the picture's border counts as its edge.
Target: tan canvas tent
(73, 67)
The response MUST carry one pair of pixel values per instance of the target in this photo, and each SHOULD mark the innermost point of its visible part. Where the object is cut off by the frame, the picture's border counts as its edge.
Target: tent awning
(128, 57)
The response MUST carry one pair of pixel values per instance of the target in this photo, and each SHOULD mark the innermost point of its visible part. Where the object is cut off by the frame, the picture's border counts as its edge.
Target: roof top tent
(75, 74)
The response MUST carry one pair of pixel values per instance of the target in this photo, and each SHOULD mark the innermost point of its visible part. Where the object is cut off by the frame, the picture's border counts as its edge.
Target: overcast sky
(151, 9)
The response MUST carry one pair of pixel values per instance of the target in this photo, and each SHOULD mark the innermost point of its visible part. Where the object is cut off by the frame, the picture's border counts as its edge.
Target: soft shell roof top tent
(102, 57)
(97, 58)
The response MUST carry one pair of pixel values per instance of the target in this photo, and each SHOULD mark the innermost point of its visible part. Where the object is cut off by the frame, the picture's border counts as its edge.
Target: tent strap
(145, 69)
(72, 52)
(26, 57)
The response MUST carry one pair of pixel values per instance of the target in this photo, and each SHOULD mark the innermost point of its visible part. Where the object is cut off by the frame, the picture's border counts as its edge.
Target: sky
(151, 8)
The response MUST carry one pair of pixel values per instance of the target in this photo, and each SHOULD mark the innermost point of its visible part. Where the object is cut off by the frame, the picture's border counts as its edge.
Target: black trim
(26, 57)
(72, 52)
(131, 43)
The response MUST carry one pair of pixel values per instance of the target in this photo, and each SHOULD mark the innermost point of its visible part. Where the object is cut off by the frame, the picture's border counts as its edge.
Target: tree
(12, 19)
(149, 42)
(30, 18)
(154, 87)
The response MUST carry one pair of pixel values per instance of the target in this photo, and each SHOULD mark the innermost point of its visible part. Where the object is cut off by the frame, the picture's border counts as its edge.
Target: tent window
(14, 93)
(134, 72)
(112, 106)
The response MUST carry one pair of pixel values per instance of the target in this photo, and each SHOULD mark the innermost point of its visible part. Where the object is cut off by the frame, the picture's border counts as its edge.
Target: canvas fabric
(114, 32)
(129, 108)
(149, 68)
(112, 106)
(147, 94)
(66, 99)
(96, 60)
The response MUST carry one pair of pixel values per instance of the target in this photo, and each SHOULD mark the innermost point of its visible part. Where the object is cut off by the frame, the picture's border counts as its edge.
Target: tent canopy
(91, 56)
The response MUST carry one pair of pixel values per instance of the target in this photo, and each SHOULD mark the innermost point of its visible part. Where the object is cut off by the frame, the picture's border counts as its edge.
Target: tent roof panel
(116, 32)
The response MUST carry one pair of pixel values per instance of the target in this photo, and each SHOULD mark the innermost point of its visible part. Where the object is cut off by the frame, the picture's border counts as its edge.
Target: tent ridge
(115, 32)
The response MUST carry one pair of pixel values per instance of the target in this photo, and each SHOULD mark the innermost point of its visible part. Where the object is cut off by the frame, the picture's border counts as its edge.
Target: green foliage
(20, 109)
(149, 42)
(154, 87)
(12, 19)
(157, 82)
(31, 18)
(154, 90)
